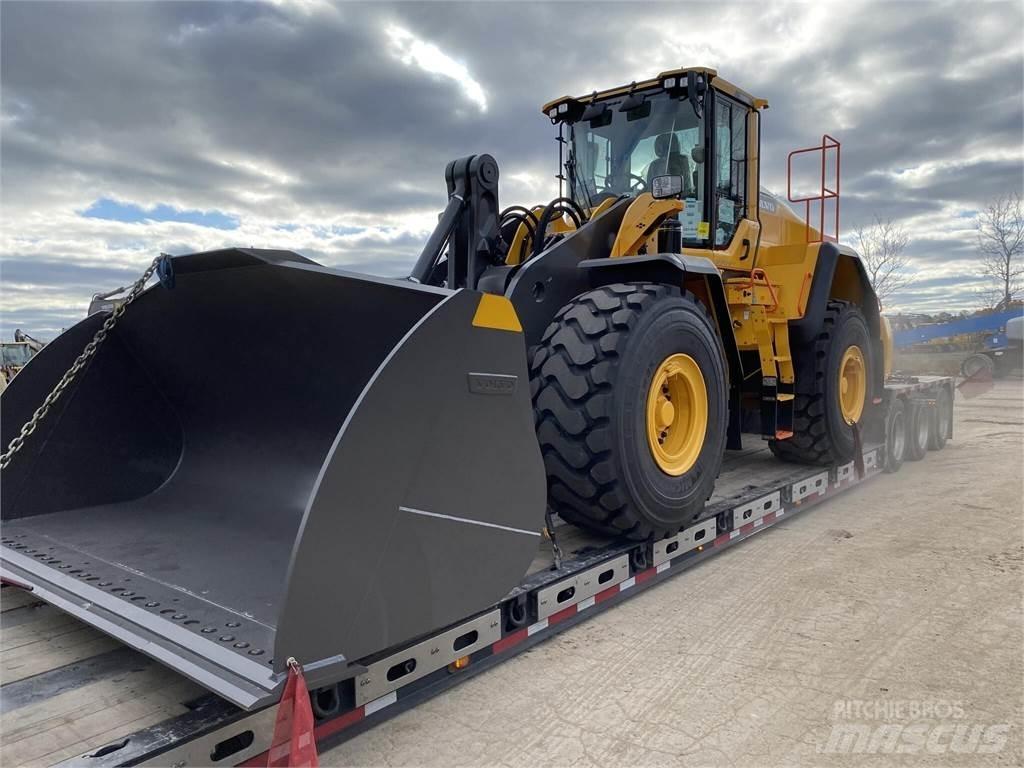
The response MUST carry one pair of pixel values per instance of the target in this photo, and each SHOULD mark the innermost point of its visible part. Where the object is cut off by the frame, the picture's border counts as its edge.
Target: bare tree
(882, 247)
(1001, 244)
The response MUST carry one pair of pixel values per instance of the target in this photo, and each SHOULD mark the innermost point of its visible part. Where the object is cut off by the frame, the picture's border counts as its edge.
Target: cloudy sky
(133, 128)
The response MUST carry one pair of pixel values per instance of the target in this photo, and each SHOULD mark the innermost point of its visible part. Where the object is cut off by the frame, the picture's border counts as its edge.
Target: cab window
(730, 168)
(622, 155)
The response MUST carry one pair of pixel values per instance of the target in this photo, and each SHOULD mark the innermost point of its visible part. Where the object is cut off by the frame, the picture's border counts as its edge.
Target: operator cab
(685, 123)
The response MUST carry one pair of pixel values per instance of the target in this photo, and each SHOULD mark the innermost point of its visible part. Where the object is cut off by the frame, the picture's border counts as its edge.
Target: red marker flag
(294, 743)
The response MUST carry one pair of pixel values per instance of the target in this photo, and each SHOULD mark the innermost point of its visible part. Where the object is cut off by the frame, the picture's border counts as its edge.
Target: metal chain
(90, 349)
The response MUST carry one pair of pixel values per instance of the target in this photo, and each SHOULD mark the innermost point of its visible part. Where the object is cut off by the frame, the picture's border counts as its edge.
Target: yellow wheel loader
(594, 356)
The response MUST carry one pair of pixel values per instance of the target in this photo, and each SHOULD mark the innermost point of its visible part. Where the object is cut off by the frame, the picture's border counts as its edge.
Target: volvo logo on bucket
(492, 383)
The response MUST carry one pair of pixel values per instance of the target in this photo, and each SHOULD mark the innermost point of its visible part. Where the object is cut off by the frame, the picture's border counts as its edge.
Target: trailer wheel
(833, 388)
(629, 386)
(919, 423)
(895, 435)
(942, 420)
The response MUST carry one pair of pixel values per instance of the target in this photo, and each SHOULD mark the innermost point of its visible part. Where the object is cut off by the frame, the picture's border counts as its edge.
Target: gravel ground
(883, 627)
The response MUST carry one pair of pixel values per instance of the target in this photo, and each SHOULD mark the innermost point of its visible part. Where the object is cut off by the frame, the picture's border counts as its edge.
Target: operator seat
(669, 161)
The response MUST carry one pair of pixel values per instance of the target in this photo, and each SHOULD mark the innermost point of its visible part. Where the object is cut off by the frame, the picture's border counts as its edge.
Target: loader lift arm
(468, 225)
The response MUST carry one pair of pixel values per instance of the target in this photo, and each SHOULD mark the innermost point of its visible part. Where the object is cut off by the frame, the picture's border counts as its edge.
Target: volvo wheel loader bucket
(271, 459)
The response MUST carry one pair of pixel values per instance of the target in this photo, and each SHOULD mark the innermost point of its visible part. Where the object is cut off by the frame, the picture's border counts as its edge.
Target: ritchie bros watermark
(897, 726)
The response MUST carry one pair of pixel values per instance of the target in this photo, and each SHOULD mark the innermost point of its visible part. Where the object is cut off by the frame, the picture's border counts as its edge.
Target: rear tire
(592, 379)
(895, 435)
(942, 420)
(821, 434)
(919, 422)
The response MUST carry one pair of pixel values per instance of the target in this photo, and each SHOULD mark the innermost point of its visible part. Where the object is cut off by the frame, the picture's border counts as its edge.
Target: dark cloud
(305, 119)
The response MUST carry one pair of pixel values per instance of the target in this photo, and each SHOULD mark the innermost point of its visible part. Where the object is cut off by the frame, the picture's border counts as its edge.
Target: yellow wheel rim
(677, 414)
(853, 384)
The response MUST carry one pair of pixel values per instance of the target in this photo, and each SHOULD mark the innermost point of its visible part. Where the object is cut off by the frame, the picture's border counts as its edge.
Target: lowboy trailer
(577, 575)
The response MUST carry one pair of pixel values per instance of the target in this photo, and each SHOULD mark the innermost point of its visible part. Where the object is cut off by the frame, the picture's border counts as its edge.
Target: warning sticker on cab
(689, 218)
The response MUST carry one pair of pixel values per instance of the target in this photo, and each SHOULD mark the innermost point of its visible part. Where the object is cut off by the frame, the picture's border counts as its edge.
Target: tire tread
(571, 377)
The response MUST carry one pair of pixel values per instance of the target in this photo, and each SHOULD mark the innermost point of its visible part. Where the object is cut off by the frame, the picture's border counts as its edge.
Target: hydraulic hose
(562, 205)
(524, 216)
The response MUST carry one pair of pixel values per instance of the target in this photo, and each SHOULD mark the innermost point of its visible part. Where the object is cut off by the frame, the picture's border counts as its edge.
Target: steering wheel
(637, 185)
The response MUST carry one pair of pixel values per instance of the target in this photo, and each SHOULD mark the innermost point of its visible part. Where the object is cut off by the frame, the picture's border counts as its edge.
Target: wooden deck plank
(43, 625)
(28, 613)
(89, 717)
(47, 654)
(14, 597)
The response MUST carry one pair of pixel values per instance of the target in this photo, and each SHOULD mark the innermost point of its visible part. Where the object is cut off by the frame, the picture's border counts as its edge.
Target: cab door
(729, 190)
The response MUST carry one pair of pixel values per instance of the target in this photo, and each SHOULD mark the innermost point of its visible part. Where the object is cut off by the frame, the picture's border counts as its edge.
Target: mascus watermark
(894, 726)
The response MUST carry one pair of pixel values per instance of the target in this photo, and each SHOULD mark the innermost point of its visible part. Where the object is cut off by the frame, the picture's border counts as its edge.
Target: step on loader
(594, 357)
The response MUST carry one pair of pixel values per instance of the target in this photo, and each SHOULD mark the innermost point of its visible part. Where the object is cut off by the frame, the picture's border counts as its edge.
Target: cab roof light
(565, 110)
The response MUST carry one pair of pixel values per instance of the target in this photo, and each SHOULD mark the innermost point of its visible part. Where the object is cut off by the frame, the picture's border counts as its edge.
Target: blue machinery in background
(994, 324)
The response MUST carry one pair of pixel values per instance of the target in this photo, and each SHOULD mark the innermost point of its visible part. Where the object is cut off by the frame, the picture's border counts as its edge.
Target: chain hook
(165, 271)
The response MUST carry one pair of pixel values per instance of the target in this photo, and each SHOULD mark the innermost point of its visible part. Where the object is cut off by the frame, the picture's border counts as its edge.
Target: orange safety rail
(825, 193)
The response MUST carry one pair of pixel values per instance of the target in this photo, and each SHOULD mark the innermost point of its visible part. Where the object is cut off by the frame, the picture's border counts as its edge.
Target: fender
(840, 274)
(695, 273)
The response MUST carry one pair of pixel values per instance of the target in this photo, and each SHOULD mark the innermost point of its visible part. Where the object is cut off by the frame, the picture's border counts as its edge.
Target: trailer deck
(72, 695)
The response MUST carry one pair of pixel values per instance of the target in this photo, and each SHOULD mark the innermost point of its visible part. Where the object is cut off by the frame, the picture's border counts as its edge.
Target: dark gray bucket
(275, 459)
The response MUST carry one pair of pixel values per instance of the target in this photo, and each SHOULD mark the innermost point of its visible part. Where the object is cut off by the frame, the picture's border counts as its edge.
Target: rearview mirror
(666, 186)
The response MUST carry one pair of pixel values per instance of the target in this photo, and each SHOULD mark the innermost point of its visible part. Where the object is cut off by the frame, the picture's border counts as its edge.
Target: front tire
(629, 387)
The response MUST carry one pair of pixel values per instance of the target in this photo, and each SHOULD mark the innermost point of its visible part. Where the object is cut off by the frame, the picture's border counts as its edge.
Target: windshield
(16, 354)
(622, 156)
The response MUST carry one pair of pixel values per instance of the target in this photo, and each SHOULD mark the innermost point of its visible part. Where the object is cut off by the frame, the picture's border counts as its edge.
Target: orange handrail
(824, 193)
